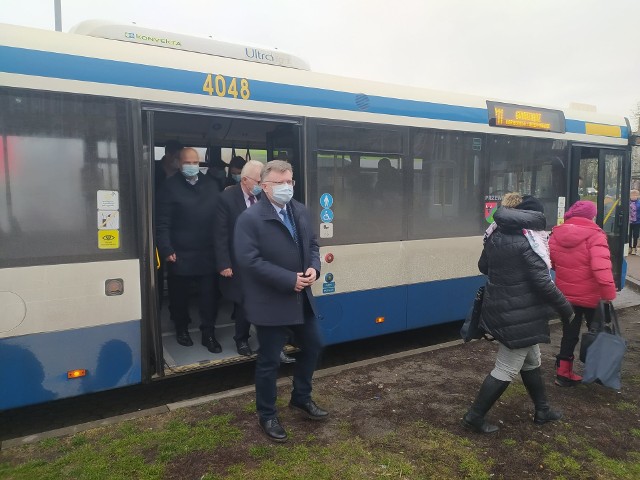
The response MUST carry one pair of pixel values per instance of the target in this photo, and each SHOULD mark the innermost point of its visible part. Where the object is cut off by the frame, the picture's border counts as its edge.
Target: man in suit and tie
(278, 257)
(232, 202)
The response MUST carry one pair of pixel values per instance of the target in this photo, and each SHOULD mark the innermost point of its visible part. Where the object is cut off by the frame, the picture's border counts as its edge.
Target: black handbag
(471, 329)
(602, 321)
(585, 342)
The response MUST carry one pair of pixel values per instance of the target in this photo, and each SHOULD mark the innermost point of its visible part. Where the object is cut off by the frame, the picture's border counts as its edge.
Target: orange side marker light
(379, 319)
(76, 373)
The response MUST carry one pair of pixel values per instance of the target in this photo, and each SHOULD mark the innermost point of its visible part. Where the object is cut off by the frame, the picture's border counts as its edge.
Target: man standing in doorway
(186, 229)
(233, 201)
(278, 257)
(169, 165)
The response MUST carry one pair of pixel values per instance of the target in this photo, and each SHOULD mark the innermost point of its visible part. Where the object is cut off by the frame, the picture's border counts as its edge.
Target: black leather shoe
(310, 409)
(183, 338)
(273, 430)
(243, 348)
(211, 343)
(284, 358)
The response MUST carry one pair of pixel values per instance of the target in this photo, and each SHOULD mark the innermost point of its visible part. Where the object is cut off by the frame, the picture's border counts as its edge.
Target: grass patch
(131, 452)
(349, 459)
(635, 432)
(344, 428)
(78, 440)
(626, 406)
(50, 443)
(559, 463)
(612, 468)
(250, 407)
(446, 455)
(509, 442)
(515, 390)
(260, 452)
(633, 379)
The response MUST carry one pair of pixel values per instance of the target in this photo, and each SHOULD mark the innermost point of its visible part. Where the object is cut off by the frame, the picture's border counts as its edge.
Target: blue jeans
(271, 340)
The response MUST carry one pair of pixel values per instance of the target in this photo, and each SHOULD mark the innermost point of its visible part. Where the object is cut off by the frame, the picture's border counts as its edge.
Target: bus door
(265, 138)
(598, 175)
(152, 281)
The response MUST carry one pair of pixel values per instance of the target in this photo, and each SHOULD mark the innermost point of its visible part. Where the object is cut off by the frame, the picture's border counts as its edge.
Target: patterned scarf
(538, 239)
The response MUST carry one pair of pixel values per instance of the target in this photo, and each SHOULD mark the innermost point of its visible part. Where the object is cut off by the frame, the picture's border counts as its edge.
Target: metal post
(57, 6)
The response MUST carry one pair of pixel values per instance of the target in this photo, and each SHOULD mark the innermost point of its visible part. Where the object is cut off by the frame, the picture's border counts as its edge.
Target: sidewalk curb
(170, 407)
(634, 284)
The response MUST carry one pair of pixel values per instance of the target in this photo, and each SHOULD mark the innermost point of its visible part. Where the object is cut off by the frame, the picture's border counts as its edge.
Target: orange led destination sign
(528, 118)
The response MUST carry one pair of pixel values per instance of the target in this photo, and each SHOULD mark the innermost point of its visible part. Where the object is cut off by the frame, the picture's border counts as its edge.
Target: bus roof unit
(178, 41)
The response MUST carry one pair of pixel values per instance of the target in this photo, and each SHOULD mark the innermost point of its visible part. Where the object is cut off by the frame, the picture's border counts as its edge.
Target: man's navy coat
(269, 260)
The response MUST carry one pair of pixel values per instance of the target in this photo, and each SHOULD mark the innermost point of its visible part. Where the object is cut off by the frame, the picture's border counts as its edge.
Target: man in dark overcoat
(278, 257)
(233, 201)
(185, 233)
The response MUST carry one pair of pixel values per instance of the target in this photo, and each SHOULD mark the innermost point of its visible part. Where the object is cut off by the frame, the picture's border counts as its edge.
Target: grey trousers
(510, 361)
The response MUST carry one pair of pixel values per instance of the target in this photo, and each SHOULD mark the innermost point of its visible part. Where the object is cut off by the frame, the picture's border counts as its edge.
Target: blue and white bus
(402, 183)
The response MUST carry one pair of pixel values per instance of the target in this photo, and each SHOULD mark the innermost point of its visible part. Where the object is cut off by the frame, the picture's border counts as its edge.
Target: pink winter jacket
(582, 261)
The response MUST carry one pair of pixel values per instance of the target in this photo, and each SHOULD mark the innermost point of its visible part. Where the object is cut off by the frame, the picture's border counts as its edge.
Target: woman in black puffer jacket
(519, 300)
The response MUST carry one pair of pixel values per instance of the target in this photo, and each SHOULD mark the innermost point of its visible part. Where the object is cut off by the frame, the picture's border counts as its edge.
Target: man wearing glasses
(233, 201)
(278, 257)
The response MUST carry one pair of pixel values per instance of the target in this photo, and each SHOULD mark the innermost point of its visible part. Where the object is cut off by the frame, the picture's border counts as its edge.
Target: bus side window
(64, 180)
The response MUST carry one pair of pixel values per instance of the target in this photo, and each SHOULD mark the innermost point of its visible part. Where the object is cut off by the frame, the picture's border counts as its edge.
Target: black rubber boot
(489, 393)
(534, 384)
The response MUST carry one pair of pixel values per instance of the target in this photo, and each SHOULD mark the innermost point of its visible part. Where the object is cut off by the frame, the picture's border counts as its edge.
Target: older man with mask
(233, 201)
(185, 232)
(278, 257)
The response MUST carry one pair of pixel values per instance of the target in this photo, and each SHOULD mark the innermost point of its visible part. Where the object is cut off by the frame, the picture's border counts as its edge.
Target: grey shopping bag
(604, 358)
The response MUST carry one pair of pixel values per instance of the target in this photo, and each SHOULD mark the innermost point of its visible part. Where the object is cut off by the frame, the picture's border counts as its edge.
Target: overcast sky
(550, 52)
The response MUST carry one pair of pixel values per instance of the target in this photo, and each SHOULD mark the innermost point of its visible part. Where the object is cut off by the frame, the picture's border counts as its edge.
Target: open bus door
(601, 175)
(203, 130)
(152, 335)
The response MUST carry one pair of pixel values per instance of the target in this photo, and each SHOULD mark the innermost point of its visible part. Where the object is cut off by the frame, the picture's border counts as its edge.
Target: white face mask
(282, 194)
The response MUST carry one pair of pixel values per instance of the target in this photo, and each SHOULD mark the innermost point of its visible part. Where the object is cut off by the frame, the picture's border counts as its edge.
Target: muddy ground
(408, 412)
(437, 387)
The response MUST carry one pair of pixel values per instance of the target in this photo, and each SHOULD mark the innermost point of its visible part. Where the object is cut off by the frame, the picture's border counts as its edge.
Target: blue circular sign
(326, 200)
(328, 277)
(326, 215)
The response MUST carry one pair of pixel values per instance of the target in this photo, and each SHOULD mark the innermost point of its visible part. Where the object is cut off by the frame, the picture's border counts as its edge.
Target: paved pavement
(633, 269)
